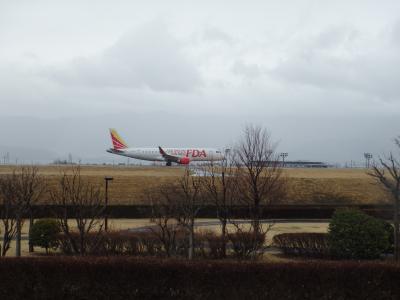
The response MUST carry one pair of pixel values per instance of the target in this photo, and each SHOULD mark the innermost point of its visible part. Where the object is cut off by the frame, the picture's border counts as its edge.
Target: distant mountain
(28, 155)
(17, 154)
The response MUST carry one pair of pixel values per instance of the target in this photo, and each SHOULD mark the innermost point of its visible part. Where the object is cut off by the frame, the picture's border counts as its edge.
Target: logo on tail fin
(117, 141)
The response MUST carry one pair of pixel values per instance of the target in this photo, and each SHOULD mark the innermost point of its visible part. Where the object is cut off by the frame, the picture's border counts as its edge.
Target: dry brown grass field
(305, 186)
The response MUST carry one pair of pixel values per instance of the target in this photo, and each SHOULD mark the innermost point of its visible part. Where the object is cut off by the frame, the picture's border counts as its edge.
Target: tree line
(250, 175)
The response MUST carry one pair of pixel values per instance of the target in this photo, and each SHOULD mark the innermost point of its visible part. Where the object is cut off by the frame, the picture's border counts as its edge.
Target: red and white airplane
(181, 156)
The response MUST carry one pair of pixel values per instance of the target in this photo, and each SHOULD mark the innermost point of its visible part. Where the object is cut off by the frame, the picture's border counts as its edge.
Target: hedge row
(308, 244)
(129, 278)
(112, 243)
(208, 244)
(352, 234)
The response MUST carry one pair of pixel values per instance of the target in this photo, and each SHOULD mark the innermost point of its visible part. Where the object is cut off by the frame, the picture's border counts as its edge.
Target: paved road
(217, 222)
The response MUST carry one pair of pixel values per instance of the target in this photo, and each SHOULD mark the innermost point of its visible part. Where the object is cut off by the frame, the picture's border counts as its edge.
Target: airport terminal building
(304, 164)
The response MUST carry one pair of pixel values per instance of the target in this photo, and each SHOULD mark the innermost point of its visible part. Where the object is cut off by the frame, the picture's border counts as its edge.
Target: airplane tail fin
(117, 141)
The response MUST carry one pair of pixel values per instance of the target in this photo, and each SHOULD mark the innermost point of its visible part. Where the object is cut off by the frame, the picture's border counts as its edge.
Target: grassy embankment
(305, 186)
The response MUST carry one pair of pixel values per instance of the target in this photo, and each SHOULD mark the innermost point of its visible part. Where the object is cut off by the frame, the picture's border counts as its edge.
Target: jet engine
(184, 161)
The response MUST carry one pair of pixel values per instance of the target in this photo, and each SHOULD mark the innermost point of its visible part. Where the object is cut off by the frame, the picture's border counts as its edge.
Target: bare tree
(259, 173)
(8, 200)
(219, 186)
(31, 186)
(175, 208)
(24, 188)
(86, 200)
(188, 205)
(388, 174)
(185, 201)
(164, 212)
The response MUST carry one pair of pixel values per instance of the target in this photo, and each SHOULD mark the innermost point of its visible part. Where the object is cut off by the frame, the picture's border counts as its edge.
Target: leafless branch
(387, 173)
(86, 199)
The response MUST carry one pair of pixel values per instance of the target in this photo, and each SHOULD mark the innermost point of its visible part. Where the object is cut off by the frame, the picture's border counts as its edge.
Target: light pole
(368, 157)
(283, 155)
(106, 179)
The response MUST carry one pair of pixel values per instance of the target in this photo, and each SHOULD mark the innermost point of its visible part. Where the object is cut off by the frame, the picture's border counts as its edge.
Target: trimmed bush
(44, 233)
(306, 244)
(216, 244)
(207, 244)
(355, 235)
(114, 243)
(210, 244)
(246, 244)
(129, 278)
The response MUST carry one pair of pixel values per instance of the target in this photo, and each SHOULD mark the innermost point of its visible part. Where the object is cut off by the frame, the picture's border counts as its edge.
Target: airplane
(181, 156)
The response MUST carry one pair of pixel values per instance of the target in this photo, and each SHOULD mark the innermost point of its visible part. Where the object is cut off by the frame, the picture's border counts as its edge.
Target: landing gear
(168, 163)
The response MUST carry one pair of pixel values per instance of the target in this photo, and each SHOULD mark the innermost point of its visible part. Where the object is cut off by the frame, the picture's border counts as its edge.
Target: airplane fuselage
(153, 154)
(181, 156)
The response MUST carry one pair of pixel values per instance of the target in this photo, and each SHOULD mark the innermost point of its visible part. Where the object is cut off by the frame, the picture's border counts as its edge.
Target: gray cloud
(315, 74)
(149, 57)
(249, 71)
(344, 60)
(215, 34)
(395, 33)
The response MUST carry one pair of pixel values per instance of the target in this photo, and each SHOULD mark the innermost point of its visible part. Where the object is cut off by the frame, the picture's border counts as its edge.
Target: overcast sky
(322, 76)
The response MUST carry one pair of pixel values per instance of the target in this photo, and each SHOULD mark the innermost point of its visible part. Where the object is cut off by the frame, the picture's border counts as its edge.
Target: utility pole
(368, 157)
(283, 155)
(106, 179)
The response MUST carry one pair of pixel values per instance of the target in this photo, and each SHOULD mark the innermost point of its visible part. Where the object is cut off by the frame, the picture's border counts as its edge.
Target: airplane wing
(169, 157)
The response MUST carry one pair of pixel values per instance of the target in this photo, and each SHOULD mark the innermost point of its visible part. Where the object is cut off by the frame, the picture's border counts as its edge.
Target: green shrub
(355, 235)
(44, 233)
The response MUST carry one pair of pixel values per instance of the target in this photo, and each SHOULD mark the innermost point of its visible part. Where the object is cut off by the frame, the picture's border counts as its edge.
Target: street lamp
(106, 179)
(283, 155)
(368, 157)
